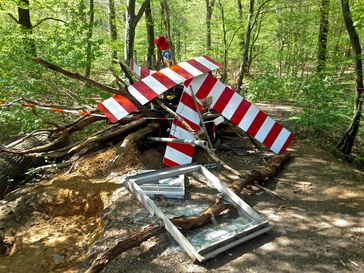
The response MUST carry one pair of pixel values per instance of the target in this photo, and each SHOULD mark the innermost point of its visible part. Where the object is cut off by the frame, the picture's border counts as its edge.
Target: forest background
(290, 52)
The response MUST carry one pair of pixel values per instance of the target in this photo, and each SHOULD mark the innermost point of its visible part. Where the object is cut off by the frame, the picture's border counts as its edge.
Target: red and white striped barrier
(148, 88)
(154, 85)
(242, 113)
(176, 153)
(116, 107)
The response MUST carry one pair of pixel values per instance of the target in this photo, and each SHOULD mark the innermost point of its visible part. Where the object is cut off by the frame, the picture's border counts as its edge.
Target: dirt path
(319, 228)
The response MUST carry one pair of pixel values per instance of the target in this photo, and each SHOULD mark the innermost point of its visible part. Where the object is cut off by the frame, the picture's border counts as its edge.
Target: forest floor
(61, 223)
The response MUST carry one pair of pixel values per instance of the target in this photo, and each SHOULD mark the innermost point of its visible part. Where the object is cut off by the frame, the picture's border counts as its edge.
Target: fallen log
(187, 223)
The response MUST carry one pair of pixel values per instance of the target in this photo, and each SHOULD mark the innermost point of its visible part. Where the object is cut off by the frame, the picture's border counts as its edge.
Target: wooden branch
(48, 18)
(106, 136)
(10, 15)
(190, 222)
(141, 11)
(132, 241)
(76, 76)
(127, 71)
(178, 117)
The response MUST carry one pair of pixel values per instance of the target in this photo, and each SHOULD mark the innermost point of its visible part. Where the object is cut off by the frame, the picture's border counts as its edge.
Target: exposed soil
(61, 224)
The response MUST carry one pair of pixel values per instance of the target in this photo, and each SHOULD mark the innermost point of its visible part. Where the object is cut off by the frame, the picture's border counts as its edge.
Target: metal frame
(158, 187)
(257, 226)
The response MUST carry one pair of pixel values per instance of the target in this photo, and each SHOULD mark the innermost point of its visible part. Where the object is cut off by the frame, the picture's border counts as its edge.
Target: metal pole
(201, 143)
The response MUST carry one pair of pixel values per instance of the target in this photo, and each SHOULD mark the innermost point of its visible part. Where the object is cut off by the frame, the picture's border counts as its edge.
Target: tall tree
(131, 21)
(150, 33)
(245, 59)
(224, 39)
(26, 25)
(90, 29)
(348, 139)
(167, 24)
(209, 9)
(112, 28)
(240, 17)
(322, 38)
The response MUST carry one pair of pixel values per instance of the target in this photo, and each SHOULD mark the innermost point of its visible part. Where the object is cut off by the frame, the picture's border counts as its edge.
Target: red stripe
(288, 141)
(213, 61)
(107, 113)
(194, 126)
(199, 66)
(163, 79)
(187, 99)
(125, 103)
(169, 162)
(144, 72)
(257, 123)
(180, 71)
(240, 112)
(187, 83)
(27, 105)
(186, 149)
(206, 87)
(271, 137)
(223, 100)
(145, 90)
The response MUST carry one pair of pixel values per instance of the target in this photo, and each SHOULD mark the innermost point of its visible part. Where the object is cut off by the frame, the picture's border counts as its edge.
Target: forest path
(319, 227)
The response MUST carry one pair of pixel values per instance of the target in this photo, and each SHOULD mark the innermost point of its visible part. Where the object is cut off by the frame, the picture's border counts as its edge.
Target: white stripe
(249, 117)
(280, 140)
(216, 92)
(197, 82)
(115, 108)
(177, 156)
(190, 69)
(155, 85)
(136, 94)
(218, 120)
(264, 129)
(137, 70)
(187, 113)
(181, 133)
(172, 75)
(232, 105)
(207, 63)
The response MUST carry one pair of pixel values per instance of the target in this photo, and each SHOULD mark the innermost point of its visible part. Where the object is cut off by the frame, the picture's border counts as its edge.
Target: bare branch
(49, 18)
(141, 11)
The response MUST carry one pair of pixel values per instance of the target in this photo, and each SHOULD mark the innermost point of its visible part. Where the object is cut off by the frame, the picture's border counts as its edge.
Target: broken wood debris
(188, 222)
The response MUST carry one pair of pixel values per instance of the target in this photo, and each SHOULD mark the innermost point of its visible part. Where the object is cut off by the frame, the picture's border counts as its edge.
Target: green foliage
(326, 107)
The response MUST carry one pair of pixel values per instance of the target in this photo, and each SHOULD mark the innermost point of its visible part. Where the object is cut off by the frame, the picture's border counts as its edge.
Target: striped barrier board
(148, 88)
(116, 107)
(179, 154)
(156, 84)
(242, 113)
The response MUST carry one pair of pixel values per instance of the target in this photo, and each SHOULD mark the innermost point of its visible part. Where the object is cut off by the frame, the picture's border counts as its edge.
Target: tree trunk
(131, 21)
(113, 29)
(26, 24)
(322, 38)
(348, 139)
(209, 10)
(224, 38)
(150, 32)
(167, 24)
(88, 41)
(240, 16)
(245, 61)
